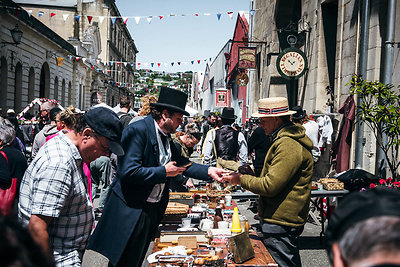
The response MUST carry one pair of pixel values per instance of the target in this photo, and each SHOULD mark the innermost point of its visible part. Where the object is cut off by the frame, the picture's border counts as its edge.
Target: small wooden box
(241, 247)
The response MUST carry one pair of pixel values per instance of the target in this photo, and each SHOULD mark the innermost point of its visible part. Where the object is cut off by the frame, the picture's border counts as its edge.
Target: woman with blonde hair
(66, 119)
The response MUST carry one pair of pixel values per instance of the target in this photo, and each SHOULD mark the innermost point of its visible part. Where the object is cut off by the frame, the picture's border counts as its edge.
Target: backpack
(7, 196)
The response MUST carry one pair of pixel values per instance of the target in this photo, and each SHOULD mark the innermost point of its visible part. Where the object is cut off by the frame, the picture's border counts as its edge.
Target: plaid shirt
(54, 186)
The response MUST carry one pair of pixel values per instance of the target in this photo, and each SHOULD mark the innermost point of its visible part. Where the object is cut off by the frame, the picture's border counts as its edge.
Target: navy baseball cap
(106, 123)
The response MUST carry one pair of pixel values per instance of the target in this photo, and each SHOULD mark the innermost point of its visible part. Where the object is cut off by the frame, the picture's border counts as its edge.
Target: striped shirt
(54, 185)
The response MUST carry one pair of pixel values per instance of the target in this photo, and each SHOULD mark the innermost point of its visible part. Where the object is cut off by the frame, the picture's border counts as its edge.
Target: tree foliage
(380, 110)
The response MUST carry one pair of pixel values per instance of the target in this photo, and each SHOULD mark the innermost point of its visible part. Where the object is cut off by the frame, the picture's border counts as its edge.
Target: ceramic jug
(206, 224)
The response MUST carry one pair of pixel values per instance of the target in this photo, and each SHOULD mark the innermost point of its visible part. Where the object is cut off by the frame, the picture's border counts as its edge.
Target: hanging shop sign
(221, 98)
(242, 79)
(247, 58)
(292, 63)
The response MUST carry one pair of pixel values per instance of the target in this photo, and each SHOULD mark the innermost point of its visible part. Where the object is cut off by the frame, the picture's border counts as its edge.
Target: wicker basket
(216, 195)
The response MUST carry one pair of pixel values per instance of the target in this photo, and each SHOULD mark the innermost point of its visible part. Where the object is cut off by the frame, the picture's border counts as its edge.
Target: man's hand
(189, 184)
(173, 170)
(233, 178)
(217, 174)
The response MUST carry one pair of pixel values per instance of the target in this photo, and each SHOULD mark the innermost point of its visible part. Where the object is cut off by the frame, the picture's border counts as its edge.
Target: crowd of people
(139, 158)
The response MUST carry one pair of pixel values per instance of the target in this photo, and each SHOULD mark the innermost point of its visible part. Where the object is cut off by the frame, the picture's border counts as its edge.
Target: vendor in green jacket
(284, 185)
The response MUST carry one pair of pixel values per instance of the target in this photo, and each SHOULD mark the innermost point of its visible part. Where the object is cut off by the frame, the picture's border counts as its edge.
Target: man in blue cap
(54, 202)
(140, 191)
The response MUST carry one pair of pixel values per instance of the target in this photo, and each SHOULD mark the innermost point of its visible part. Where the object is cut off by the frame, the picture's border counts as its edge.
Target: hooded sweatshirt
(284, 185)
(40, 138)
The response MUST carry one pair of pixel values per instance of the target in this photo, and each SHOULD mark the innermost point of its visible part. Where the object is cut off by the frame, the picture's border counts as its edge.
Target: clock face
(292, 64)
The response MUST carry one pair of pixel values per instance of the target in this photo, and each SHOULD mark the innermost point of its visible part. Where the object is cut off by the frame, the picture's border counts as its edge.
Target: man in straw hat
(284, 185)
(140, 191)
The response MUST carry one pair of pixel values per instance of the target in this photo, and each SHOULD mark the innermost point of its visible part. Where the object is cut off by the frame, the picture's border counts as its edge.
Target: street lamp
(16, 35)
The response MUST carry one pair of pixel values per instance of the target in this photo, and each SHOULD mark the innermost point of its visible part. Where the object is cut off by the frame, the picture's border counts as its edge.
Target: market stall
(205, 228)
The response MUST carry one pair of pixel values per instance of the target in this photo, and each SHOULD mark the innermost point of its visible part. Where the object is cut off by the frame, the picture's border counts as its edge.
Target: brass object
(241, 248)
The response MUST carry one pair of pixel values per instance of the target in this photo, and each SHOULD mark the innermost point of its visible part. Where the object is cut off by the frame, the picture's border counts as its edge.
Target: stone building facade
(328, 32)
(101, 39)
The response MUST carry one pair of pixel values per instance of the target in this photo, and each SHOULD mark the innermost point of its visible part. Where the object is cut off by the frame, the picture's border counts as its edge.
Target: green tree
(380, 110)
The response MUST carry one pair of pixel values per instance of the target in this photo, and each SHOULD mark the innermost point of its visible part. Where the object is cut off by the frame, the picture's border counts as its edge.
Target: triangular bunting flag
(207, 14)
(113, 19)
(219, 16)
(152, 64)
(159, 64)
(41, 13)
(125, 19)
(146, 64)
(172, 63)
(77, 58)
(52, 14)
(149, 19)
(125, 63)
(29, 12)
(84, 59)
(69, 57)
(192, 62)
(77, 17)
(65, 16)
(198, 61)
(230, 14)
(89, 18)
(241, 13)
(160, 17)
(196, 15)
(172, 15)
(137, 19)
(101, 19)
(179, 63)
(118, 63)
(111, 63)
(252, 12)
(210, 59)
(165, 64)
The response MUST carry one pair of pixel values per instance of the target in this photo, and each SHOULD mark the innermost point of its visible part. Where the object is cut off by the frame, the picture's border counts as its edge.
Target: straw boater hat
(273, 107)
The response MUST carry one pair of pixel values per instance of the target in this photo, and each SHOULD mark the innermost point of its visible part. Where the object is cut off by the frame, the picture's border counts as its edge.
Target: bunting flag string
(90, 17)
(117, 64)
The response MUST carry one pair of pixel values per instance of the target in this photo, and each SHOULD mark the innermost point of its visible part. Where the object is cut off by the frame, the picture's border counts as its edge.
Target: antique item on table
(218, 216)
(206, 224)
(236, 228)
(331, 184)
(228, 200)
(169, 236)
(241, 248)
(175, 212)
(182, 197)
(215, 195)
(188, 241)
(314, 185)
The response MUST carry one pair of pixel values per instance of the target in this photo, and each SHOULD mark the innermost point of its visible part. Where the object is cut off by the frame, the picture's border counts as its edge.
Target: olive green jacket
(285, 183)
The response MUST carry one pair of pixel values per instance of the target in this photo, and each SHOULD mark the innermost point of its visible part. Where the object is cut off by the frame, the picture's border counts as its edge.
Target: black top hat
(300, 113)
(172, 99)
(228, 113)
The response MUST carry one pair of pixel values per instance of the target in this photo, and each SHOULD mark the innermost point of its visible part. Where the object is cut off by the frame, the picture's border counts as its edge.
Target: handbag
(7, 196)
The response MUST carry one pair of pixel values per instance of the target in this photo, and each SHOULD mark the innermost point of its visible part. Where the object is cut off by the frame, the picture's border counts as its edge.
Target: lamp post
(16, 35)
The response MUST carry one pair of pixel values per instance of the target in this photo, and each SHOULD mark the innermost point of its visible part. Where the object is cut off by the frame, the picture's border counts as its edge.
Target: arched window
(62, 98)
(69, 93)
(45, 81)
(31, 84)
(18, 88)
(56, 88)
(4, 84)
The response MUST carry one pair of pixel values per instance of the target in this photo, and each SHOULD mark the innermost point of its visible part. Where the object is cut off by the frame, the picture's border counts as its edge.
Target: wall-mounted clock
(292, 63)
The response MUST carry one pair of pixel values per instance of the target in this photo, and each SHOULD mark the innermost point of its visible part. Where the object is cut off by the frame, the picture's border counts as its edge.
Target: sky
(180, 38)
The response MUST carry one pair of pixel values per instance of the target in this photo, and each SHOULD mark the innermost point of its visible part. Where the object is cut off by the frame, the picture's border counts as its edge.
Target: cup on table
(223, 225)
(228, 200)
(186, 222)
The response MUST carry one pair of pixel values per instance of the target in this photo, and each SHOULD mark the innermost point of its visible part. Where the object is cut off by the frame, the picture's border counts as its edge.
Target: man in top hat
(284, 185)
(140, 190)
(54, 202)
(228, 143)
(364, 230)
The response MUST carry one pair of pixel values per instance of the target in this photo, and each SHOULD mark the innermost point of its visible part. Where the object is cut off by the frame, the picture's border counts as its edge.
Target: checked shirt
(54, 185)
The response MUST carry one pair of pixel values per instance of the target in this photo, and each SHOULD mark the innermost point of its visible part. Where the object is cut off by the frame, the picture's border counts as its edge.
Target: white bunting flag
(29, 12)
(125, 63)
(230, 14)
(65, 16)
(149, 19)
(101, 19)
(84, 59)
(241, 13)
(137, 19)
(207, 14)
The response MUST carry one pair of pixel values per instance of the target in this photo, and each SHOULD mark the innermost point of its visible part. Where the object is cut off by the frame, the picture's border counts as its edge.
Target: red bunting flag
(118, 63)
(158, 64)
(196, 15)
(160, 17)
(198, 61)
(52, 14)
(125, 19)
(77, 58)
(89, 18)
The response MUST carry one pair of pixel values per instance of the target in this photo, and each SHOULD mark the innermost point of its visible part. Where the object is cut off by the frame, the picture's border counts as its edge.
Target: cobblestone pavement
(312, 250)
